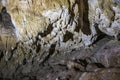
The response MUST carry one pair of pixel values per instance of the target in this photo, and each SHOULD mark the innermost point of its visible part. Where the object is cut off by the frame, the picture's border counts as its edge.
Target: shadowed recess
(51, 52)
(6, 19)
(80, 21)
(47, 31)
(71, 9)
(83, 21)
(86, 24)
(68, 36)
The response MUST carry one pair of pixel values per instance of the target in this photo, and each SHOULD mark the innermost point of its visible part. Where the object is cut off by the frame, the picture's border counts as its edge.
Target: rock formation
(32, 32)
(8, 34)
(69, 24)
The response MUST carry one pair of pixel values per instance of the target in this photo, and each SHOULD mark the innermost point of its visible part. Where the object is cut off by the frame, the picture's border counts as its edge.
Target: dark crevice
(38, 48)
(80, 21)
(52, 49)
(6, 19)
(51, 52)
(100, 35)
(86, 24)
(83, 62)
(24, 61)
(99, 65)
(83, 21)
(47, 31)
(71, 9)
(67, 36)
(1, 55)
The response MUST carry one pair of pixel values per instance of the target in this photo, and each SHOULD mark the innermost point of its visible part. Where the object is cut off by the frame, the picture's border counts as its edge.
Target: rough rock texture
(8, 34)
(69, 24)
(46, 39)
(109, 55)
(102, 74)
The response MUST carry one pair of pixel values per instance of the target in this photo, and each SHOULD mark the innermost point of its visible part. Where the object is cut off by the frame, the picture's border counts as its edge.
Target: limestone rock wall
(41, 29)
(67, 24)
(54, 20)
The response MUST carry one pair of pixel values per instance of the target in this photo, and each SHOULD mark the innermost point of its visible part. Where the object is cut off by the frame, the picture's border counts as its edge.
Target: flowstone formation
(49, 34)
